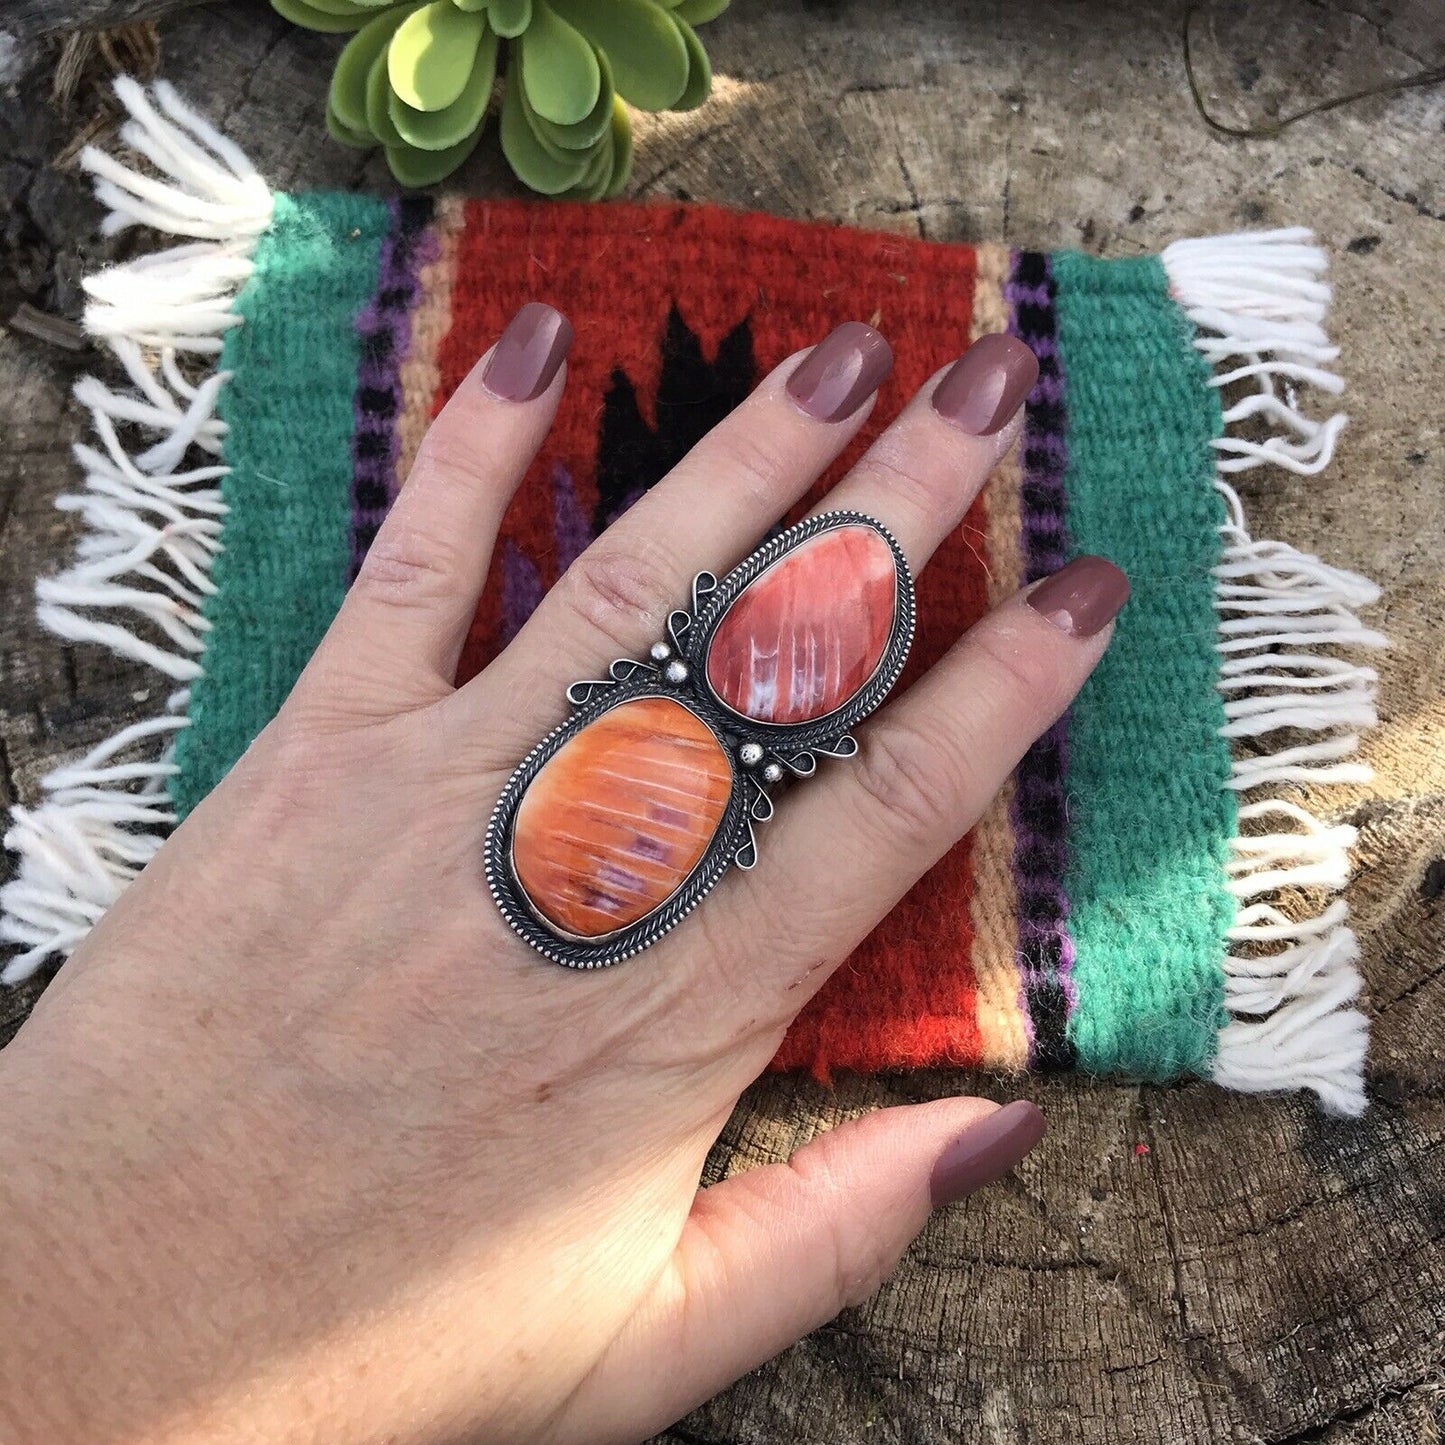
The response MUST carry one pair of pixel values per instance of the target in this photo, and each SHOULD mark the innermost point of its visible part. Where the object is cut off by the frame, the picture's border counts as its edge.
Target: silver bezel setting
(821, 734)
(759, 754)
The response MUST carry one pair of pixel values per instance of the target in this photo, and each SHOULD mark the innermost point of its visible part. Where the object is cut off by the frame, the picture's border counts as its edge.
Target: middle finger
(921, 475)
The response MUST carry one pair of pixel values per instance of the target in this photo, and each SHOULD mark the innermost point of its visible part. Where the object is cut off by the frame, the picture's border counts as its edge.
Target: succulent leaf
(417, 75)
(621, 150)
(558, 67)
(341, 7)
(414, 167)
(699, 12)
(361, 140)
(585, 134)
(649, 58)
(510, 18)
(533, 164)
(430, 56)
(598, 174)
(310, 18)
(438, 130)
(699, 68)
(568, 156)
(378, 104)
(347, 96)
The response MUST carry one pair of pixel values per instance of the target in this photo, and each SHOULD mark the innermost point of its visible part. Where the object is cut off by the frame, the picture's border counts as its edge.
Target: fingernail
(527, 356)
(986, 385)
(841, 372)
(986, 1152)
(1082, 598)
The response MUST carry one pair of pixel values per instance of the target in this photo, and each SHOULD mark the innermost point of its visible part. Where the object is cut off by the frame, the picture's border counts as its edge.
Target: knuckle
(624, 593)
(727, 941)
(862, 1251)
(453, 456)
(761, 466)
(803, 942)
(926, 482)
(898, 770)
(406, 567)
(1023, 679)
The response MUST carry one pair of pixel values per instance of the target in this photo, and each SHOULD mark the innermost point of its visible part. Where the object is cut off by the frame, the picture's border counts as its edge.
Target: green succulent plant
(416, 78)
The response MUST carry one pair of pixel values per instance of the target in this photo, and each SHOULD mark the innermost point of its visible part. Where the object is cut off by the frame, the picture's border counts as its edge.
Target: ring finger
(847, 845)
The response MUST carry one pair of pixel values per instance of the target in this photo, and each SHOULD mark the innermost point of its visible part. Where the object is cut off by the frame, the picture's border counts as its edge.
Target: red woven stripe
(906, 998)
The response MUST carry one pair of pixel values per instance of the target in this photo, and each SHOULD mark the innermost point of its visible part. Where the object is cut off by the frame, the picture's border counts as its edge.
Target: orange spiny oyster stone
(619, 816)
(807, 633)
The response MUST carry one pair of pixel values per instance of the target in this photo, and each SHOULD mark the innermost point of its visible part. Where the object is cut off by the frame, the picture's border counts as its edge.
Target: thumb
(773, 1253)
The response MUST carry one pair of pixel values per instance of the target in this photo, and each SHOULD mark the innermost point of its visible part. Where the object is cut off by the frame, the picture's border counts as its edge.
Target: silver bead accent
(660, 652)
(773, 773)
(676, 670)
(750, 754)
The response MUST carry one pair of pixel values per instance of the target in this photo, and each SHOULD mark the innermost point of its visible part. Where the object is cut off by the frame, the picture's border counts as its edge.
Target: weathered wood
(27, 19)
(1175, 1264)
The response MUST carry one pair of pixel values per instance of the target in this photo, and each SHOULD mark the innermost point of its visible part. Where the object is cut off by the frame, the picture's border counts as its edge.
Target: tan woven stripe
(430, 323)
(995, 900)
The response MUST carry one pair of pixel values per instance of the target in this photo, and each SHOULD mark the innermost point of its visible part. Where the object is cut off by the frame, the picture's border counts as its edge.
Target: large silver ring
(620, 821)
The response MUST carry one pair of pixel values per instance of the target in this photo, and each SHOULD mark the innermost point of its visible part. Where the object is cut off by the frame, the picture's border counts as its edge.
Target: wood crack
(915, 205)
(1340, 1419)
(1405, 198)
(697, 143)
(1428, 977)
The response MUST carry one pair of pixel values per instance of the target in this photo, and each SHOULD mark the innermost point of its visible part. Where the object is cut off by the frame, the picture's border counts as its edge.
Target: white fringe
(100, 824)
(1290, 984)
(151, 524)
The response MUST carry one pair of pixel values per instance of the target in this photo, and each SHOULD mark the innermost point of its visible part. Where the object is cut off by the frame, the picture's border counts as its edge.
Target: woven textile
(678, 312)
(1103, 915)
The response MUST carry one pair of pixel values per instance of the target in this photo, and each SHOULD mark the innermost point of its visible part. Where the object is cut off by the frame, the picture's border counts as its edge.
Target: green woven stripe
(289, 407)
(1149, 813)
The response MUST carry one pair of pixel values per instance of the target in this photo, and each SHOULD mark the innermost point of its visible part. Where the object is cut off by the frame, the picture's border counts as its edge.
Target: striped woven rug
(1144, 897)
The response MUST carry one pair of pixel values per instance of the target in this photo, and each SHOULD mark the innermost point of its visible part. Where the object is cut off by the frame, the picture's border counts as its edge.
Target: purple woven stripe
(385, 331)
(570, 522)
(1039, 812)
(1023, 293)
(521, 590)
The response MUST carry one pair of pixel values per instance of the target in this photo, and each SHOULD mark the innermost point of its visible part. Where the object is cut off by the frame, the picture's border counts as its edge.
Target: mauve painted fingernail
(841, 372)
(1082, 598)
(986, 385)
(986, 1152)
(528, 354)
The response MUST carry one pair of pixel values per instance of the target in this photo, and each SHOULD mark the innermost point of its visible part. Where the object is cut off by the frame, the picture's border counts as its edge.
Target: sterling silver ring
(620, 821)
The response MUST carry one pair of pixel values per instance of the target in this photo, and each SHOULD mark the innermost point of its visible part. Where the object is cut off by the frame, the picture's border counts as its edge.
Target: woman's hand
(305, 1145)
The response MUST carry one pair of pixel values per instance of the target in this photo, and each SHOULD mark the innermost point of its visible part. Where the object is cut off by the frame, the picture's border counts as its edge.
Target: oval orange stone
(808, 632)
(619, 816)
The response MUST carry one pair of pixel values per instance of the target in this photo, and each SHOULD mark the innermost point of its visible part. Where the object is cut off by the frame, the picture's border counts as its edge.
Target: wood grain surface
(1173, 1264)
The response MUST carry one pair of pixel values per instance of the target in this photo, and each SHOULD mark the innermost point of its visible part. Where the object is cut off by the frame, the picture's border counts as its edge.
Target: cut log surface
(1173, 1264)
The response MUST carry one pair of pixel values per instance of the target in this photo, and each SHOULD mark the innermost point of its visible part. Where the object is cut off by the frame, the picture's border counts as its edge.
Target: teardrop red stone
(619, 816)
(807, 633)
